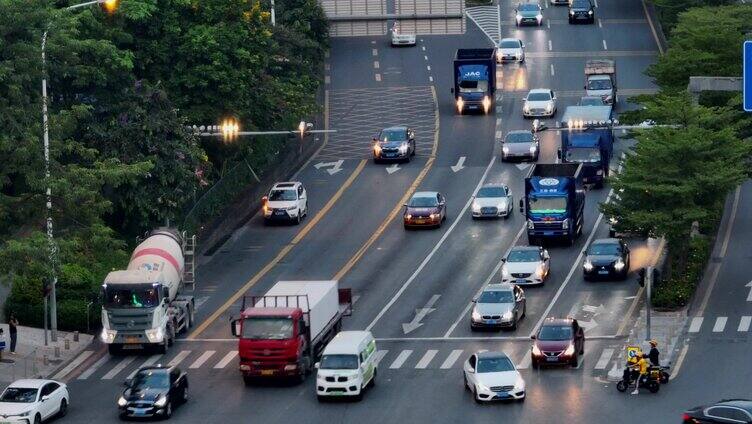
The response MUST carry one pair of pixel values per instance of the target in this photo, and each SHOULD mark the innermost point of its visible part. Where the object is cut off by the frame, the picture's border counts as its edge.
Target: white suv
(286, 202)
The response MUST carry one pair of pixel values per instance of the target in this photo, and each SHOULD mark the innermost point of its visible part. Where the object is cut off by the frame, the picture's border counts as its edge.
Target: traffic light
(641, 277)
(109, 6)
(230, 129)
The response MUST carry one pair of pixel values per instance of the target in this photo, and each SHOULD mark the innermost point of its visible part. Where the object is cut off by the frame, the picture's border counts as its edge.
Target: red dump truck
(283, 332)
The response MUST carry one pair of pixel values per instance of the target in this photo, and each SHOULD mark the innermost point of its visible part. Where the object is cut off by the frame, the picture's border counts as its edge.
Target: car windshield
(499, 364)
(393, 135)
(282, 195)
(555, 332)
(131, 296)
(267, 328)
(496, 296)
(580, 4)
(423, 202)
(519, 137)
(539, 96)
(556, 204)
(591, 101)
(491, 192)
(151, 380)
(468, 86)
(509, 44)
(19, 395)
(604, 249)
(529, 7)
(583, 155)
(339, 362)
(599, 84)
(523, 256)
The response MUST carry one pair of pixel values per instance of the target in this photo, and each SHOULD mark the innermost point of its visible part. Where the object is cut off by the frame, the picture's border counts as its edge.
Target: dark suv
(153, 392)
(558, 341)
(581, 11)
(394, 143)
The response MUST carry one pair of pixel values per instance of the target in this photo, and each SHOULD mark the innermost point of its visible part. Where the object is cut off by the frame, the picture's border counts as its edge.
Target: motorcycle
(651, 381)
(664, 373)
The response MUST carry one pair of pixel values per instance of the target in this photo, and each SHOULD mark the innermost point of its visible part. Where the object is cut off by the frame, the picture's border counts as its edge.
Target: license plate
(267, 372)
(420, 221)
(504, 395)
(603, 272)
(132, 339)
(139, 411)
(548, 233)
(552, 359)
(278, 213)
(521, 281)
(473, 107)
(491, 321)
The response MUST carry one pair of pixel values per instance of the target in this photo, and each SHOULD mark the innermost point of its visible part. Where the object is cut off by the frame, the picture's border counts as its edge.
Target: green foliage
(678, 290)
(706, 42)
(669, 11)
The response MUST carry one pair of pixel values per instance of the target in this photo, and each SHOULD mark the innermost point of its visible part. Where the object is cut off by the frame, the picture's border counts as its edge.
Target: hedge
(676, 292)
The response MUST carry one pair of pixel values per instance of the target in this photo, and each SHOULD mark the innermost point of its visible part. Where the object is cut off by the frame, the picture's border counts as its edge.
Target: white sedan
(493, 376)
(492, 201)
(510, 49)
(526, 265)
(401, 38)
(539, 102)
(33, 401)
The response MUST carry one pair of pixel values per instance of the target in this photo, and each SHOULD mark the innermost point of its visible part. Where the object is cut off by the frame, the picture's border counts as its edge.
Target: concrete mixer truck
(142, 306)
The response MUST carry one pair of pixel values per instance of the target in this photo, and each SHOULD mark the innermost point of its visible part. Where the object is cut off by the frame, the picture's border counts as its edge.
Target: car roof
(510, 39)
(347, 342)
(157, 368)
(556, 321)
(425, 194)
(396, 128)
(520, 132)
(539, 90)
(529, 4)
(526, 248)
(287, 184)
(32, 383)
(490, 354)
(494, 185)
(606, 241)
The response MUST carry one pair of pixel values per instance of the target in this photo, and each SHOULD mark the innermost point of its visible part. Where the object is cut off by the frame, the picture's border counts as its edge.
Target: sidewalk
(35, 360)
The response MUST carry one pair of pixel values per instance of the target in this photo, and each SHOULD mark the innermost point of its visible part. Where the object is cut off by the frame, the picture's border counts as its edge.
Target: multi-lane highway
(353, 234)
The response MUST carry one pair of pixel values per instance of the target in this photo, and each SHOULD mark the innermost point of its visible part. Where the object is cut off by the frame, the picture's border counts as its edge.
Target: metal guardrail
(408, 16)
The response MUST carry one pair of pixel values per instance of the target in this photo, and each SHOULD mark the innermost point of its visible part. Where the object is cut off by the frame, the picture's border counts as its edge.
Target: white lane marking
(425, 56)
(375, 52)
(595, 2)
(604, 359)
(201, 359)
(498, 122)
(430, 78)
(424, 49)
(376, 64)
(327, 79)
(552, 70)
(548, 23)
(679, 362)
(498, 134)
(720, 324)
(744, 324)
(91, 370)
(426, 359)
(525, 362)
(435, 249)
(151, 361)
(485, 283)
(401, 358)
(378, 77)
(70, 367)
(200, 301)
(179, 358)
(373, 41)
(605, 47)
(694, 326)
(600, 23)
(428, 67)
(550, 45)
(451, 359)
(379, 356)
(119, 367)
(226, 360)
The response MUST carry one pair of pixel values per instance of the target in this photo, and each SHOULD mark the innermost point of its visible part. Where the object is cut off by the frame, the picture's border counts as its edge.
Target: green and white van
(347, 366)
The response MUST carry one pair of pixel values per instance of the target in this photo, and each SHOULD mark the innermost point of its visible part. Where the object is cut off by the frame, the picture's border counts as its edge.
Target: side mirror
(451, 90)
(265, 199)
(546, 255)
(128, 382)
(523, 45)
(404, 204)
(558, 153)
(374, 139)
(533, 337)
(475, 300)
(317, 365)
(585, 87)
(235, 327)
(45, 397)
(503, 259)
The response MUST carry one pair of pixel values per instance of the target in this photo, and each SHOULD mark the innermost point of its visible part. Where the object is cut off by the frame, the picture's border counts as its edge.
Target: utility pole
(274, 17)
(648, 287)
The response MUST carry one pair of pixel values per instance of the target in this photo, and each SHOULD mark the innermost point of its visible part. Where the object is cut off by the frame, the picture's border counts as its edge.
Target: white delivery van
(347, 366)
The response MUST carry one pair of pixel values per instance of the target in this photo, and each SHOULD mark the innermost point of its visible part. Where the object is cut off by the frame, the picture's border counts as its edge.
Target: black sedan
(581, 11)
(394, 143)
(725, 411)
(606, 258)
(425, 209)
(153, 392)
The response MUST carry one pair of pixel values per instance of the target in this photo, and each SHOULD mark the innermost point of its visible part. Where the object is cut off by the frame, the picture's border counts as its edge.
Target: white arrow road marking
(334, 166)
(595, 310)
(522, 166)
(749, 296)
(392, 169)
(588, 325)
(460, 164)
(420, 314)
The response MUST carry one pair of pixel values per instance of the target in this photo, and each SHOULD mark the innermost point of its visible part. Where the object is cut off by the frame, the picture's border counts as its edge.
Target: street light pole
(48, 192)
(274, 18)
(648, 287)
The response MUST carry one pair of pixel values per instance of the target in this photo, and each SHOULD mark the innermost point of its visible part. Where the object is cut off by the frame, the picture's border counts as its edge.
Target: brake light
(687, 419)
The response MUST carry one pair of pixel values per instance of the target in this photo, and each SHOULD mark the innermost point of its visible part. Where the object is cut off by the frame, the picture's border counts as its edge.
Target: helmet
(653, 343)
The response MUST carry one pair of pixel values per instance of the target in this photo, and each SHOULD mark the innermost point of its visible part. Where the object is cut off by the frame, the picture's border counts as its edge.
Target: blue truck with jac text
(554, 202)
(474, 79)
(587, 137)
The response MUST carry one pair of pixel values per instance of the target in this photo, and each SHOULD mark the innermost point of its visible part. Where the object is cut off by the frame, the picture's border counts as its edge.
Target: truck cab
(554, 202)
(474, 79)
(587, 138)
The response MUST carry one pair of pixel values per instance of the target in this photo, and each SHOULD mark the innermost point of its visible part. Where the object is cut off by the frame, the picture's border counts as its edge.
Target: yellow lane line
(398, 207)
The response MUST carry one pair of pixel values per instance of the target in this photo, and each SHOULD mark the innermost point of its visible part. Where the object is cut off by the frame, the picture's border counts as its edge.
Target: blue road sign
(747, 56)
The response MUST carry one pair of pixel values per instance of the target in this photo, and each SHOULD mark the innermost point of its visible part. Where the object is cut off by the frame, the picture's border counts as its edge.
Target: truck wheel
(114, 349)
(248, 381)
(162, 348)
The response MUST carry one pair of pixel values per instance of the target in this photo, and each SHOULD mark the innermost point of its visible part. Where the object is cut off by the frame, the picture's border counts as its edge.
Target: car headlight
(475, 316)
(539, 17)
(549, 108)
(486, 103)
(587, 265)
(571, 13)
(25, 413)
(530, 224)
(108, 336)
(570, 350)
(433, 216)
(403, 148)
(537, 351)
(518, 17)
(377, 148)
(599, 172)
(526, 107)
(590, 12)
(460, 103)
(619, 265)
(504, 272)
(565, 224)
(476, 207)
(505, 149)
(122, 402)
(408, 216)
(533, 148)
(161, 401)
(507, 315)
(539, 272)
(519, 384)
(155, 335)
(501, 206)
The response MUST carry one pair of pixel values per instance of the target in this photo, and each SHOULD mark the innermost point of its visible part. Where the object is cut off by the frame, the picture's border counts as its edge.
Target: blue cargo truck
(474, 79)
(587, 137)
(554, 202)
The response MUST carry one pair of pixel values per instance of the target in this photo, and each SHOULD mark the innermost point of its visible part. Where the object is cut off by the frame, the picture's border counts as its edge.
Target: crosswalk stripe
(92, 369)
(119, 367)
(604, 359)
(694, 326)
(451, 359)
(525, 362)
(226, 360)
(426, 359)
(401, 358)
(379, 356)
(152, 359)
(179, 358)
(744, 324)
(201, 359)
(76, 362)
(720, 324)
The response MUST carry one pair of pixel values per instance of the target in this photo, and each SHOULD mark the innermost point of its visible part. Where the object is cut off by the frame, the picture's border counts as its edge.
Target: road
(352, 235)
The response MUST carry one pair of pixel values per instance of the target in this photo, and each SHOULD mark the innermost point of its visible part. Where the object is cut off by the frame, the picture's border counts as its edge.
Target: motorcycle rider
(642, 366)
(654, 353)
